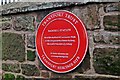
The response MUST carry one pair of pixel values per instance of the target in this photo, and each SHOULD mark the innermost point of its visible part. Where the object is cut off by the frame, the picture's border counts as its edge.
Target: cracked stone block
(11, 67)
(94, 78)
(13, 47)
(106, 38)
(112, 22)
(5, 23)
(31, 55)
(8, 76)
(23, 23)
(112, 7)
(106, 61)
(30, 70)
(89, 15)
(31, 41)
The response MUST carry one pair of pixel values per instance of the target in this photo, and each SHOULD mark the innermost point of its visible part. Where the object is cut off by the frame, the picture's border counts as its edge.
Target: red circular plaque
(61, 41)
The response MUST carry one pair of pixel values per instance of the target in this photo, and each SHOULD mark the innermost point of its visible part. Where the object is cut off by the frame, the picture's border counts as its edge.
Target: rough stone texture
(106, 61)
(42, 67)
(94, 78)
(23, 22)
(8, 76)
(31, 55)
(45, 74)
(84, 66)
(31, 40)
(89, 15)
(5, 26)
(13, 47)
(40, 16)
(20, 77)
(102, 59)
(11, 67)
(30, 70)
(112, 23)
(5, 23)
(106, 38)
(112, 7)
(31, 6)
(63, 76)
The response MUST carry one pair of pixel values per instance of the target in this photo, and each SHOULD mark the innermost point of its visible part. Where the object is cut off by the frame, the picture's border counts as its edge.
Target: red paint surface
(61, 41)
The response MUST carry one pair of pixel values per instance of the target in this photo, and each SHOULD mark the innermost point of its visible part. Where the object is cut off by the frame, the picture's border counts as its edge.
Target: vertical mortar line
(101, 16)
(40, 73)
(12, 21)
(101, 23)
(50, 74)
(25, 47)
(20, 68)
(73, 76)
(91, 49)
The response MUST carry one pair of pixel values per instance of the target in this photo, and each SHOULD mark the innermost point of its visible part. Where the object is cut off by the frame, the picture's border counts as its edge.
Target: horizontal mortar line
(16, 62)
(30, 49)
(114, 32)
(111, 13)
(106, 46)
(29, 62)
(11, 62)
(97, 75)
(22, 75)
(18, 32)
(1, 22)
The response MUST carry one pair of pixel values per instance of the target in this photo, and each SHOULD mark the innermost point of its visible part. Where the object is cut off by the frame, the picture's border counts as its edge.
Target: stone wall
(19, 24)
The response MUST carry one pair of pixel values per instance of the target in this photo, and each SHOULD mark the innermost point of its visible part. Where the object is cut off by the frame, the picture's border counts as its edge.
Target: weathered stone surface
(106, 38)
(112, 7)
(5, 26)
(106, 61)
(42, 67)
(30, 70)
(5, 23)
(45, 74)
(31, 41)
(112, 23)
(94, 78)
(11, 67)
(23, 22)
(62, 79)
(8, 76)
(20, 77)
(62, 76)
(31, 55)
(41, 15)
(13, 47)
(85, 65)
(31, 6)
(89, 15)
